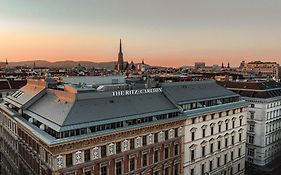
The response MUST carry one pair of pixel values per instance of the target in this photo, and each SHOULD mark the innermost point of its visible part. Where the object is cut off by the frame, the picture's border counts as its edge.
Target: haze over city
(168, 33)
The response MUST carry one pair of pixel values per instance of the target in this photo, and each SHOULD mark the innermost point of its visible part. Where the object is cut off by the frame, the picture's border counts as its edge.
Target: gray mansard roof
(183, 92)
(69, 109)
(99, 109)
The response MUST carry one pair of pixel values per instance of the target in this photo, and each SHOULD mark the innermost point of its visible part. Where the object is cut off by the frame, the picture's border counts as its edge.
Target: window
(87, 154)
(218, 161)
(156, 138)
(193, 120)
(118, 168)
(192, 154)
(176, 170)
(203, 132)
(220, 114)
(144, 143)
(192, 171)
(118, 147)
(103, 170)
(219, 145)
(132, 143)
(204, 118)
(132, 164)
(251, 152)
(176, 132)
(212, 116)
(225, 158)
(166, 135)
(240, 121)
(252, 115)
(232, 140)
(211, 165)
(251, 128)
(192, 136)
(251, 139)
(155, 156)
(231, 155)
(233, 123)
(211, 148)
(87, 172)
(68, 160)
(166, 171)
(226, 126)
(225, 142)
(203, 168)
(212, 130)
(144, 160)
(252, 105)
(166, 152)
(240, 137)
(203, 151)
(103, 151)
(238, 167)
(176, 149)
(239, 152)
(219, 128)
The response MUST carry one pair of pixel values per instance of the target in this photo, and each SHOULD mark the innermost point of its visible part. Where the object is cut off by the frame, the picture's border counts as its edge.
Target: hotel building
(264, 119)
(185, 128)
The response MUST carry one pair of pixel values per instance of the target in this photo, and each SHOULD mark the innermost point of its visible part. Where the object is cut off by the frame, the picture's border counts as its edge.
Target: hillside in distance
(62, 64)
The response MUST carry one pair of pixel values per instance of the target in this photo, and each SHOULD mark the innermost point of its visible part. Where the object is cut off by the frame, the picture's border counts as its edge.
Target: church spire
(120, 49)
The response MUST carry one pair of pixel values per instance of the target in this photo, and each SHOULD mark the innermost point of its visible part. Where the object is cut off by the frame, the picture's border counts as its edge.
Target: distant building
(264, 119)
(270, 69)
(199, 65)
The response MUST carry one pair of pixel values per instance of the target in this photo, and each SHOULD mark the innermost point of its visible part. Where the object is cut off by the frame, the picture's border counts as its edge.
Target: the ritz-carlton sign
(136, 92)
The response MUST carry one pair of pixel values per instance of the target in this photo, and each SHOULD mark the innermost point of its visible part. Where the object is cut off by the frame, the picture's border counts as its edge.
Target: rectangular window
(176, 132)
(240, 121)
(144, 140)
(103, 170)
(192, 136)
(155, 156)
(132, 164)
(225, 142)
(155, 137)
(203, 132)
(166, 135)
(226, 126)
(225, 158)
(251, 139)
(203, 151)
(238, 167)
(132, 144)
(118, 168)
(192, 171)
(219, 128)
(176, 149)
(219, 145)
(240, 137)
(118, 147)
(218, 161)
(87, 155)
(176, 170)
(211, 148)
(103, 151)
(212, 130)
(144, 160)
(192, 154)
(68, 160)
(166, 153)
(211, 165)
(166, 171)
(239, 152)
(203, 169)
(232, 140)
(233, 123)
(231, 155)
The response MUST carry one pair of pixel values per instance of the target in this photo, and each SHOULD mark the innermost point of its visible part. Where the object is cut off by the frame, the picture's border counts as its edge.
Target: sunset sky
(162, 32)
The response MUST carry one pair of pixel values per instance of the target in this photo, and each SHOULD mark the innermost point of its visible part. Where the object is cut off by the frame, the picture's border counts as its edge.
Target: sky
(162, 32)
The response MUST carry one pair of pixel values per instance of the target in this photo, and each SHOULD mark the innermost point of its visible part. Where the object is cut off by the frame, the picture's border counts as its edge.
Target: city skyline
(167, 34)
